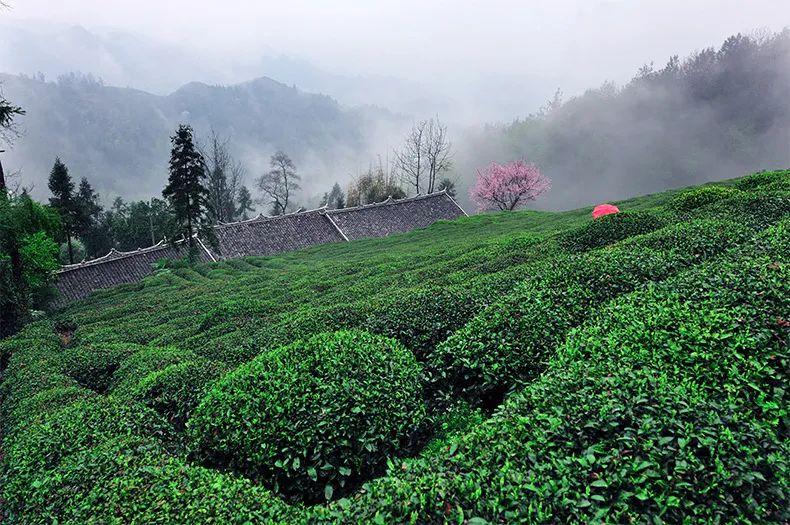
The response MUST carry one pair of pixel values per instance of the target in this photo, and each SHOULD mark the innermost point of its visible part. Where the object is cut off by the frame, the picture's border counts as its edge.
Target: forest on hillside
(714, 114)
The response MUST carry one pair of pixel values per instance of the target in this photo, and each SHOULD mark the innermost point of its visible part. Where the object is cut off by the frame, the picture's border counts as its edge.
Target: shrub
(134, 480)
(35, 409)
(511, 340)
(40, 448)
(316, 417)
(421, 318)
(238, 313)
(669, 404)
(689, 200)
(175, 391)
(762, 178)
(93, 366)
(591, 445)
(142, 363)
(757, 210)
(610, 229)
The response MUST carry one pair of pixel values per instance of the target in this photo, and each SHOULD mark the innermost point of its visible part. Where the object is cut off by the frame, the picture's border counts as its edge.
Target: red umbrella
(604, 209)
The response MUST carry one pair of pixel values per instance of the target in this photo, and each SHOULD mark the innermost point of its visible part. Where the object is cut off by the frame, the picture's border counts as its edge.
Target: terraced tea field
(526, 367)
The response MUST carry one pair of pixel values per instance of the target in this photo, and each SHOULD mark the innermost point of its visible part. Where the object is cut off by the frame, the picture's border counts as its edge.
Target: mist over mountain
(124, 58)
(713, 114)
(119, 137)
(706, 115)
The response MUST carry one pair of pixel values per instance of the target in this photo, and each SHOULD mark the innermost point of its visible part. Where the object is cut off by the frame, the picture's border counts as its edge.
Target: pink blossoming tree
(508, 186)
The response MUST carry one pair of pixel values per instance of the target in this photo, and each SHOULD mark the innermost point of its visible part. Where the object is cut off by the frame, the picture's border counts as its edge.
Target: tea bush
(762, 179)
(93, 366)
(609, 229)
(313, 418)
(39, 449)
(176, 390)
(140, 364)
(421, 318)
(686, 201)
(511, 341)
(631, 369)
(134, 480)
(670, 404)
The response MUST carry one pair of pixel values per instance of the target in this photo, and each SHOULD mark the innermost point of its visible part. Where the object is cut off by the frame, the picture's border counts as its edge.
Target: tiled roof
(272, 235)
(263, 236)
(395, 216)
(76, 281)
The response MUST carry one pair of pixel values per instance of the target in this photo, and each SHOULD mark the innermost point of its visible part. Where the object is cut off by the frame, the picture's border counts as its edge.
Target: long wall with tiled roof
(262, 236)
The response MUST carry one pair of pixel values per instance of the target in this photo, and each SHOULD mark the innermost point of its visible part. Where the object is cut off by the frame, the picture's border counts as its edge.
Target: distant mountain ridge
(119, 137)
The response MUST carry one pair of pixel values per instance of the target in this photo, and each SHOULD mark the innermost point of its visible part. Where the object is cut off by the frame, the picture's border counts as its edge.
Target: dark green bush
(689, 200)
(758, 210)
(610, 229)
(35, 450)
(512, 340)
(140, 364)
(591, 445)
(762, 179)
(421, 318)
(176, 390)
(313, 418)
(669, 405)
(35, 409)
(134, 480)
(93, 366)
(238, 313)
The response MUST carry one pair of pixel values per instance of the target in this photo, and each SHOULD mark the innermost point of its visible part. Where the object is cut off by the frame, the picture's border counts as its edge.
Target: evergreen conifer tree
(185, 191)
(65, 202)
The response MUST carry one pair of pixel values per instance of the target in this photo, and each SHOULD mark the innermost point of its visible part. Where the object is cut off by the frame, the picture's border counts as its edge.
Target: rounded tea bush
(175, 391)
(314, 418)
(691, 200)
(610, 229)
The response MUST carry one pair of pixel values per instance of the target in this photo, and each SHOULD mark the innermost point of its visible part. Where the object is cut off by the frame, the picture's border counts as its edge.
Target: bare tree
(409, 161)
(438, 152)
(225, 178)
(426, 155)
(279, 183)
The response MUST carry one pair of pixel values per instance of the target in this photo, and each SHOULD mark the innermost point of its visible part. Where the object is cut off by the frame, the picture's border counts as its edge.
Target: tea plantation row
(507, 368)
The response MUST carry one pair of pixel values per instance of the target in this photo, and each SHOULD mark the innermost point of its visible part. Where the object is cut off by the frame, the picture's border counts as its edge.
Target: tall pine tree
(65, 202)
(185, 192)
(245, 203)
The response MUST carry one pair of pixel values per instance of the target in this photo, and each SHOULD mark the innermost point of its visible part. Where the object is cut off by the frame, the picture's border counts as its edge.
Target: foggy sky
(446, 44)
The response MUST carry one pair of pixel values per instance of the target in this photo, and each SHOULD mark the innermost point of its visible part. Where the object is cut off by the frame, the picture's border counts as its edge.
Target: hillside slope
(517, 367)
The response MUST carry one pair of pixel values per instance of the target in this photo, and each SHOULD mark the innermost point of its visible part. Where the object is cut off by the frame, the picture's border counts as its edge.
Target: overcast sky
(580, 43)
(413, 37)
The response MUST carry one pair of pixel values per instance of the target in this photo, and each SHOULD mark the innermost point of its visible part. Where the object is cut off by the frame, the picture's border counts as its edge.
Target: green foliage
(758, 209)
(138, 365)
(511, 341)
(93, 366)
(38, 252)
(27, 258)
(609, 229)
(761, 179)
(421, 318)
(77, 252)
(689, 200)
(31, 454)
(669, 403)
(638, 381)
(314, 418)
(176, 390)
